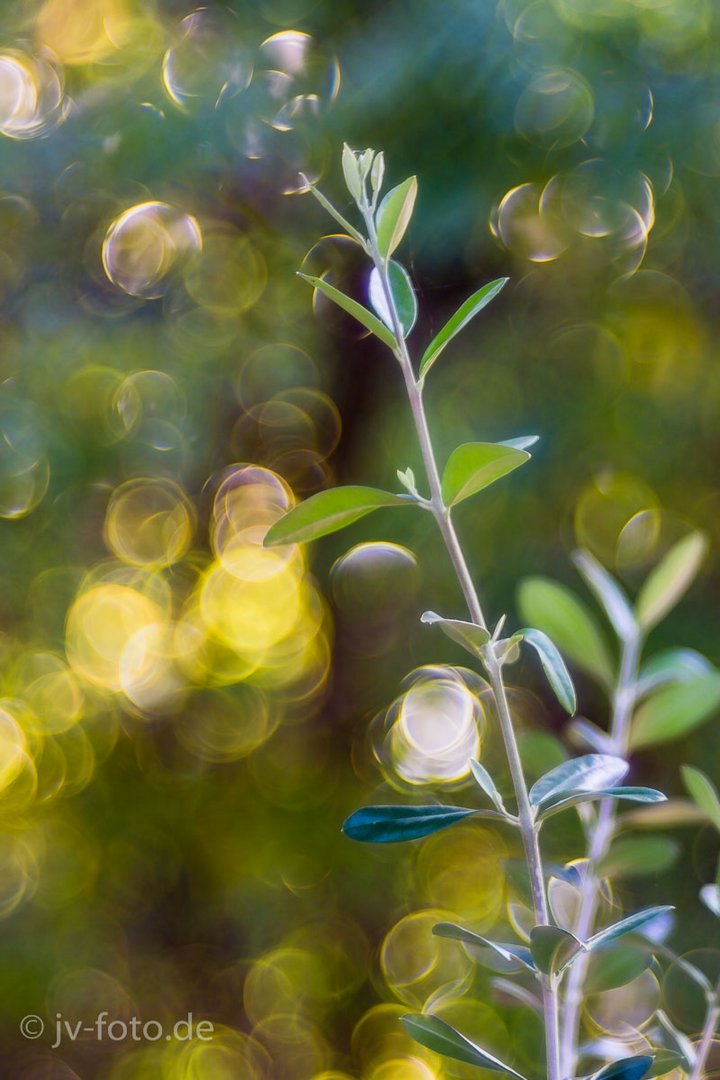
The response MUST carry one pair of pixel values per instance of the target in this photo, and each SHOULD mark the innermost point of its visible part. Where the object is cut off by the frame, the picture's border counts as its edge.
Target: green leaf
(675, 710)
(437, 1035)
(704, 793)
(554, 668)
(556, 610)
(630, 1068)
(522, 442)
(671, 579)
(591, 772)
(351, 172)
(670, 814)
(471, 636)
(553, 948)
(514, 954)
(616, 967)
(574, 798)
(390, 824)
(609, 594)
(393, 215)
(377, 172)
(330, 209)
(671, 666)
(631, 857)
(486, 783)
(710, 896)
(328, 511)
(459, 321)
(629, 925)
(474, 466)
(403, 296)
(363, 316)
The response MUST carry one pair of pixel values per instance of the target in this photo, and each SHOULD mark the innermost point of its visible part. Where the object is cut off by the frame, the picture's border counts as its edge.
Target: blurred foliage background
(186, 718)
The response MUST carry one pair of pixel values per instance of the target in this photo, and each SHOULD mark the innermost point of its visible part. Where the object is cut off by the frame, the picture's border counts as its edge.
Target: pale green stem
(712, 1019)
(599, 844)
(443, 518)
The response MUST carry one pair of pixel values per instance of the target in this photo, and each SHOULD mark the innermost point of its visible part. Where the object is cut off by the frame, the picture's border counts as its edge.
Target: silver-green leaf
(591, 772)
(566, 800)
(513, 954)
(437, 1035)
(631, 924)
(554, 667)
(471, 636)
(609, 594)
(486, 783)
(553, 949)
(403, 297)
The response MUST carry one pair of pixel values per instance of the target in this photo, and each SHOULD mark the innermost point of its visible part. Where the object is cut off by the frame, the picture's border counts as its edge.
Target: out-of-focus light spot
(13, 750)
(24, 467)
(286, 980)
(295, 1044)
(271, 370)
(101, 624)
(527, 229)
(626, 1009)
(555, 109)
(314, 75)
(31, 95)
(431, 731)
(145, 244)
(18, 871)
(228, 1055)
(466, 877)
(51, 690)
(229, 277)
(229, 725)
(638, 539)
(416, 964)
(379, 1036)
(409, 1068)
(606, 508)
(683, 999)
(209, 61)
(92, 31)
(373, 579)
(149, 523)
(480, 1021)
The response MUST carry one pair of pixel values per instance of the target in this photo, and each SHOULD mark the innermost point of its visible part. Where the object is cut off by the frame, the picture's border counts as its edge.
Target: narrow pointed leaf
(675, 710)
(591, 772)
(377, 172)
(554, 667)
(589, 736)
(471, 636)
(553, 948)
(671, 579)
(403, 296)
(351, 172)
(632, 924)
(710, 896)
(485, 781)
(328, 511)
(474, 466)
(522, 442)
(704, 793)
(393, 215)
(437, 1035)
(630, 1068)
(609, 594)
(513, 954)
(330, 209)
(459, 321)
(556, 610)
(554, 805)
(363, 316)
(390, 824)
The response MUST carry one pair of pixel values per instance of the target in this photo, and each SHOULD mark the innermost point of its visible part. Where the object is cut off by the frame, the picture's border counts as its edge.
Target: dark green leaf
(703, 791)
(556, 610)
(459, 321)
(485, 781)
(402, 293)
(555, 804)
(390, 824)
(609, 594)
(637, 856)
(670, 579)
(630, 1068)
(591, 772)
(474, 466)
(675, 710)
(554, 667)
(329, 511)
(629, 925)
(368, 320)
(514, 954)
(553, 948)
(471, 636)
(437, 1035)
(616, 967)
(393, 216)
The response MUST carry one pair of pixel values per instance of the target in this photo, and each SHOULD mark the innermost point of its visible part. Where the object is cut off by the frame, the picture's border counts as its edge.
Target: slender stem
(443, 518)
(712, 1018)
(599, 844)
